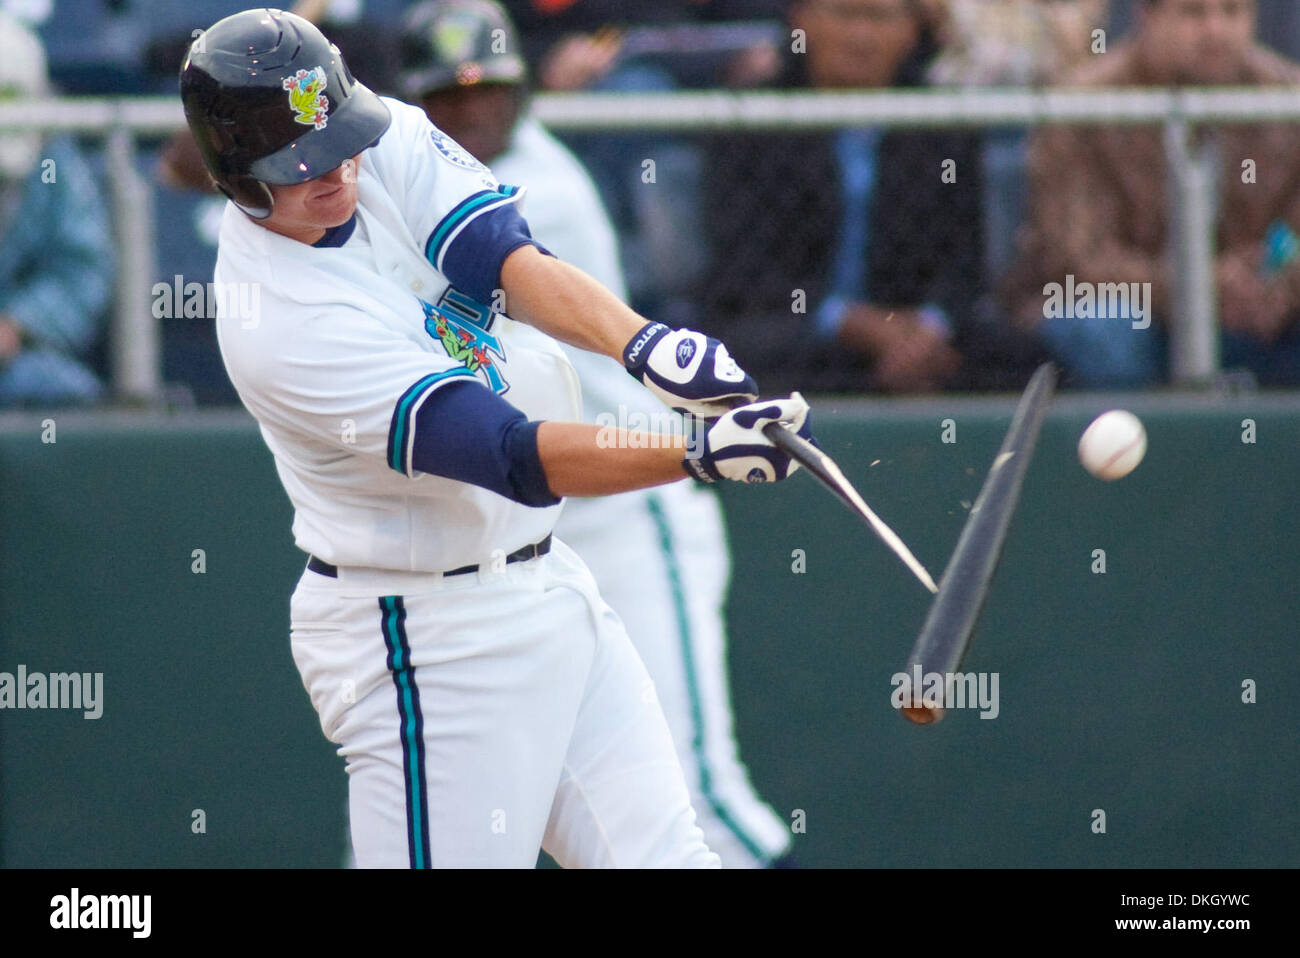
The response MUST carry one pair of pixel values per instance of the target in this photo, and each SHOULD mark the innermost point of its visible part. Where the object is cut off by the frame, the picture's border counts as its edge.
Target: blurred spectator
(1279, 22)
(1099, 208)
(572, 45)
(875, 234)
(1013, 42)
(1010, 43)
(56, 251)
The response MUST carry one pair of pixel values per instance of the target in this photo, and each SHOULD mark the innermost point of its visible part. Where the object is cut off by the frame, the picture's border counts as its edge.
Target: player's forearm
(586, 460)
(566, 303)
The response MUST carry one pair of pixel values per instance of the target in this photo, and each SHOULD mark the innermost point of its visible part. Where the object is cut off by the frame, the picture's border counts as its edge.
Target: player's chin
(336, 208)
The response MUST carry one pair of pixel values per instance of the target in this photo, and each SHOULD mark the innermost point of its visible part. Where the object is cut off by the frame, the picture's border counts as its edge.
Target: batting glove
(735, 448)
(691, 372)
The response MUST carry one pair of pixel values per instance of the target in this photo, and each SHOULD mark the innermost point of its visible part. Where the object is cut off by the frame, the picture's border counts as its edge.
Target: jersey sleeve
(465, 222)
(564, 208)
(467, 432)
(359, 388)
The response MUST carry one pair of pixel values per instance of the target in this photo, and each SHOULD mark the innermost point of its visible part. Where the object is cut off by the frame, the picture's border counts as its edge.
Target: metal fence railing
(135, 352)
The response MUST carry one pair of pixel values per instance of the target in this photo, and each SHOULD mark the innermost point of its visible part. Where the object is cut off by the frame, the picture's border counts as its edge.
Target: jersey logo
(462, 326)
(306, 96)
(453, 151)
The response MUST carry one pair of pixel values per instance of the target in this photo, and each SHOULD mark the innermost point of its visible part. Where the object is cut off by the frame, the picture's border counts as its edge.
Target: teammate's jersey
(565, 213)
(351, 336)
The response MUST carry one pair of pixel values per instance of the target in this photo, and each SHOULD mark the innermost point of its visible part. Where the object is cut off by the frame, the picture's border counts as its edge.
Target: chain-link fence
(735, 216)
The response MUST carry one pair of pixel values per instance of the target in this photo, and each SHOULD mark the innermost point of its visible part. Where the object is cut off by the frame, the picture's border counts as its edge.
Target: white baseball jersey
(351, 338)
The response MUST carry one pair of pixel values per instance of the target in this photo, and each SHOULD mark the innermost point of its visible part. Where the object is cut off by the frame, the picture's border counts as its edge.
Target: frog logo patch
(307, 97)
(466, 338)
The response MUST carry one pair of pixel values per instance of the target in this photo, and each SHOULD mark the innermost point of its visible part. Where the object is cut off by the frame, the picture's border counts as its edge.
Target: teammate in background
(659, 556)
(487, 701)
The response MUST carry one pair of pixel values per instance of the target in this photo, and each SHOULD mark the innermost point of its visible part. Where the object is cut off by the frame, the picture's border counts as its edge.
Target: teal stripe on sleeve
(467, 209)
(400, 427)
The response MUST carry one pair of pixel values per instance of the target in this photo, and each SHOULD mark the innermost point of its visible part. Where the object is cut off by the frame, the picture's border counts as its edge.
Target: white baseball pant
(488, 714)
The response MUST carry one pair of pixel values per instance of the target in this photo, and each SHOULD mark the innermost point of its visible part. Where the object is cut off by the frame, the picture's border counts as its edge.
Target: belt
(321, 567)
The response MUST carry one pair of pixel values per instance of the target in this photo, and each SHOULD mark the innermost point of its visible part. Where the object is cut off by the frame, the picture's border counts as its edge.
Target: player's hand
(691, 372)
(1239, 289)
(577, 61)
(919, 360)
(734, 447)
(908, 355)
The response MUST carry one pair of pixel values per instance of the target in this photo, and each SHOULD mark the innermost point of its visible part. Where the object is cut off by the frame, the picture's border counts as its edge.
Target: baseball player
(659, 556)
(487, 701)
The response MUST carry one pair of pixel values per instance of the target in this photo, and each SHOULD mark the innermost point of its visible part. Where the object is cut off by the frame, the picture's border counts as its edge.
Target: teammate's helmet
(450, 43)
(270, 100)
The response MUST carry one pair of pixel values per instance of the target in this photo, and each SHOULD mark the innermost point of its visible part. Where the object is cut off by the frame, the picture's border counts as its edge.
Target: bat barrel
(945, 636)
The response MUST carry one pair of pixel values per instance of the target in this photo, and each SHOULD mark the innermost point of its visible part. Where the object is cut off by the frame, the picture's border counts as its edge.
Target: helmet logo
(307, 98)
(453, 38)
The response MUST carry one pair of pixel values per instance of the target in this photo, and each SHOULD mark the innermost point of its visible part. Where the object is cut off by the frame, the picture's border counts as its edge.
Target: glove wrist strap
(700, 471)
(637, 352)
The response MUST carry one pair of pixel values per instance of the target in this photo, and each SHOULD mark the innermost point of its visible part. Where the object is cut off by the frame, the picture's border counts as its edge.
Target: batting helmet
(270, 100)
(450, 43)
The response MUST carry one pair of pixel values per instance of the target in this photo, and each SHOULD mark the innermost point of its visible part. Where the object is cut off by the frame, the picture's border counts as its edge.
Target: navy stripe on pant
(411, 719)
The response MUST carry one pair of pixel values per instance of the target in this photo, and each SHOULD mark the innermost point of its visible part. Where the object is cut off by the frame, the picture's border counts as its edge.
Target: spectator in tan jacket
(1099, 209)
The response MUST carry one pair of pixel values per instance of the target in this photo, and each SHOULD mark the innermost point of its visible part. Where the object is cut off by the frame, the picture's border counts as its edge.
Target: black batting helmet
(451, 43)
(270, 100)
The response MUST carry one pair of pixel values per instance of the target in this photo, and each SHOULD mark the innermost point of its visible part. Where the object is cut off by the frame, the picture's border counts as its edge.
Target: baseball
(1113, 445)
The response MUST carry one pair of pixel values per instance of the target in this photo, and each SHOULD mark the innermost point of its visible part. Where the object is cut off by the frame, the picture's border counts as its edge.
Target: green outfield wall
(1119, 691)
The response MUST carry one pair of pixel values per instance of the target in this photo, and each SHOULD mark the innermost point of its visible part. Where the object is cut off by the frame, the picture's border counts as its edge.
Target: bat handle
(781, 436)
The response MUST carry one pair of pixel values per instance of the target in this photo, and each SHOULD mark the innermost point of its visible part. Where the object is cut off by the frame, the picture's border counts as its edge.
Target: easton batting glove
(691, 372)
(735, 448)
